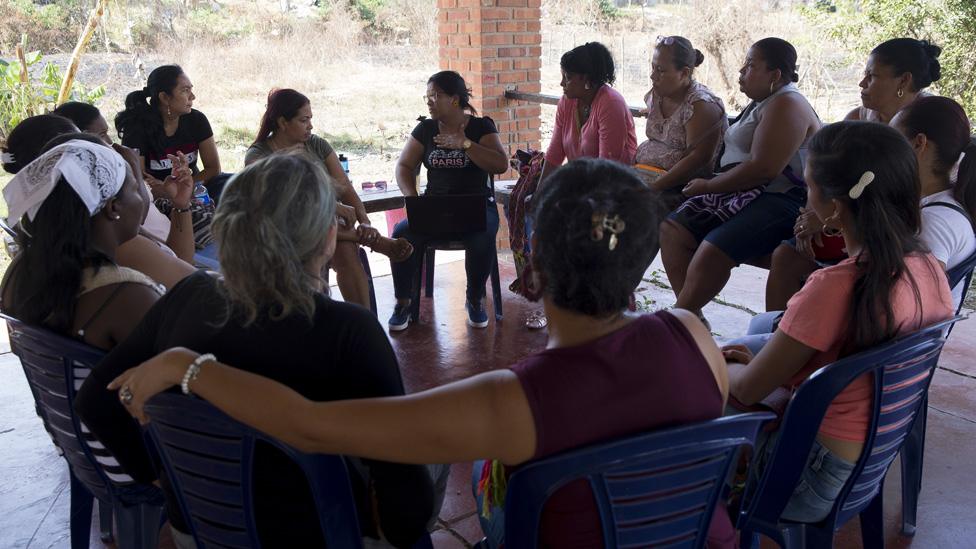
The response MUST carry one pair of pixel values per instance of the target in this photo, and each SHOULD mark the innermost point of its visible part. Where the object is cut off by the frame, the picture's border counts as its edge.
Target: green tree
(951, 24)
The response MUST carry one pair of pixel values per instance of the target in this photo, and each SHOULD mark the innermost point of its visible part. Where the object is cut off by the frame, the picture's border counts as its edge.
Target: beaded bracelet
(193, 371)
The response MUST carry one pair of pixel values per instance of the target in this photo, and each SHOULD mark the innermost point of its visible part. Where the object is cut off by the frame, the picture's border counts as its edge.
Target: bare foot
(397, 250)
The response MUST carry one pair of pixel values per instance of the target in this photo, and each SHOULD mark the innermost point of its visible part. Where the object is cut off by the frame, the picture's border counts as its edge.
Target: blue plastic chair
(913, 452)
(902, 370)
(55, 367)
(658, 488)
(209, 457)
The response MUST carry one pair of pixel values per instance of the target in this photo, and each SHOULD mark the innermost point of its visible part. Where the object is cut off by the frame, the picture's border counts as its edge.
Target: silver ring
(125, 395)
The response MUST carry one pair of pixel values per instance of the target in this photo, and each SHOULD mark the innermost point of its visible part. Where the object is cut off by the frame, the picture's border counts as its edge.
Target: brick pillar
(497, 45)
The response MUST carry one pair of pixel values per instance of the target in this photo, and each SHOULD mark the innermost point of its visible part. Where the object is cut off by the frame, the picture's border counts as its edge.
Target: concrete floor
(441, 348)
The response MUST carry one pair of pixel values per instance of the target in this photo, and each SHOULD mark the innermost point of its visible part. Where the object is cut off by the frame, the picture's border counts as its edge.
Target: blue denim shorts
(819, 485)
(822, 479)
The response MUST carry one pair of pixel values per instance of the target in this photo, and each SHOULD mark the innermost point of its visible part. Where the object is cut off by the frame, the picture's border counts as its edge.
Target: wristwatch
(466, 145)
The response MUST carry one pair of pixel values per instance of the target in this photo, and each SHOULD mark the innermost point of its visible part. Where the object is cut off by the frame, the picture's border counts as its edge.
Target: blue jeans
(479, 256)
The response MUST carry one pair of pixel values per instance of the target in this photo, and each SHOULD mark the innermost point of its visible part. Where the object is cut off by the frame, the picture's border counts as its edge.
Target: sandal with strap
(536, 320)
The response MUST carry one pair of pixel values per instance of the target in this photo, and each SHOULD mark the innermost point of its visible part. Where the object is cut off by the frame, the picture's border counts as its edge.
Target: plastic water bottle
(344, 162)
(200, 194)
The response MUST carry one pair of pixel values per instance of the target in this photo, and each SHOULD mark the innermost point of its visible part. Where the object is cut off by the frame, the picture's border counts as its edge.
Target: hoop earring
(586, 86)
(827, 230)
(169, 113)
(772, 88)
(900, 93)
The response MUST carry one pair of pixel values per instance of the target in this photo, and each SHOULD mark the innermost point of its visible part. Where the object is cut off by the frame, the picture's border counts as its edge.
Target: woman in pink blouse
(592, 119)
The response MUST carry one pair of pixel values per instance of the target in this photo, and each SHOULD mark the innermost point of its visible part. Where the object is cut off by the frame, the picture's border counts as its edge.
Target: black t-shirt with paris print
(193, 129)
(451, 171)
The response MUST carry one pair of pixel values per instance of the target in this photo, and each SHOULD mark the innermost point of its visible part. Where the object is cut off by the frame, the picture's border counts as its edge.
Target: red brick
(513, 3)
(533, 26)
(469, 53)
(528, 39)
(496, 13)
(535, 3)
(489, 79)
(459, 40)
(442, 15)
(447, 28)
(458, 14)
(442, 4)
(499, 65)
(511, 26)
(533, 51)
(512, 52)
(527, 13)
(528, 63)
(499, 39)
(469, 3)
(511, 77)
(489, 104)
(500, 115)
(533, 75)
(447, 53)
(535, 123)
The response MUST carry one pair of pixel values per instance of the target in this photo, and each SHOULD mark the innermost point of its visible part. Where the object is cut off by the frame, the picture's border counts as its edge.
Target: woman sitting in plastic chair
(864, 185)
(594, 225)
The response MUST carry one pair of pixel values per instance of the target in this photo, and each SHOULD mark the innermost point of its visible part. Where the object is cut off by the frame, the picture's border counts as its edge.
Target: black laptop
(446, 214)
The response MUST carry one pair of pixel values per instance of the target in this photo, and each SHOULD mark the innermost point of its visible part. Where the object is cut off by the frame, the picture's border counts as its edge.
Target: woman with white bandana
(75, 205)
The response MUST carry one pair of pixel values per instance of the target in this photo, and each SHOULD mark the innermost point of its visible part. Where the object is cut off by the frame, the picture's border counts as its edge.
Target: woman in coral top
(592, 119)
(864, 185)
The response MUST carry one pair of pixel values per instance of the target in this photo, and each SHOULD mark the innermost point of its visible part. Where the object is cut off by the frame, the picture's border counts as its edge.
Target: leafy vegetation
(26, 92)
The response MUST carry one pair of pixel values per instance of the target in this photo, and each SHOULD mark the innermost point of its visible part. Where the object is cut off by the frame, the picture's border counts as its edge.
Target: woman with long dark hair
(461, 152)
(287, 126)
(864, 185)
(592, 383)
(72, 208)
(160, 122)
(270, 313)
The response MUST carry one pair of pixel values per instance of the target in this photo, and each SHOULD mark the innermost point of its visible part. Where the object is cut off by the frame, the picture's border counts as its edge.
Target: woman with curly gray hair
(271, 314)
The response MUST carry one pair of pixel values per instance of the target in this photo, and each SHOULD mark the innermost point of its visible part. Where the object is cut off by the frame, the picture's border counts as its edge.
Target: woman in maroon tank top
(605, 372)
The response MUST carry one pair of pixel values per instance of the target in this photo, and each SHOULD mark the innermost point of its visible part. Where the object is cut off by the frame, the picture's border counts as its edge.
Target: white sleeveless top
(739, 136)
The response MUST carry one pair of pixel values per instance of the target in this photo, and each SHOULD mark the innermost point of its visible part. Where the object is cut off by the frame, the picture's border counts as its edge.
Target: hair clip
(7, 158)
(603, 221)
(862, 183)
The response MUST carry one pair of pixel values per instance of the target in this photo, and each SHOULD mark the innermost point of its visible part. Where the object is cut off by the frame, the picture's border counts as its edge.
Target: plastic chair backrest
(209, 458)
(55, 367)
(656, 488)
(962, 273)
(902, 370)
